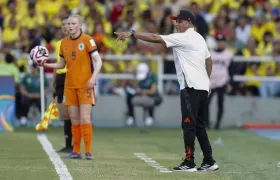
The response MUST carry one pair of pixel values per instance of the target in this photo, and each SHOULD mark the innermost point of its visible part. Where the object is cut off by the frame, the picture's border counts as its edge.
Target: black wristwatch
(132, 32)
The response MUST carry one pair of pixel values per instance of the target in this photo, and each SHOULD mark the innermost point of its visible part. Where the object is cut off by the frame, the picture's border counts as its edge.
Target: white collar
(189, 29)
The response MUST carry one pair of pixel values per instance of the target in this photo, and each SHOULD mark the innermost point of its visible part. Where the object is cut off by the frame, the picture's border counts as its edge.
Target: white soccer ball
(39, 54)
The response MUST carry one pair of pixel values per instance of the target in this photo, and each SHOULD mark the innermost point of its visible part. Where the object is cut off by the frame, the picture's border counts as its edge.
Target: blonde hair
(80, 20)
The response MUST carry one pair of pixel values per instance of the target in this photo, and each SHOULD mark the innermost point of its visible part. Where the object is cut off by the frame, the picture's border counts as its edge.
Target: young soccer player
(79, 53)
(58, 89)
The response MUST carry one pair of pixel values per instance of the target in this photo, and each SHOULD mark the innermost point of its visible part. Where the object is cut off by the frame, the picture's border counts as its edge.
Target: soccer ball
(39, 54)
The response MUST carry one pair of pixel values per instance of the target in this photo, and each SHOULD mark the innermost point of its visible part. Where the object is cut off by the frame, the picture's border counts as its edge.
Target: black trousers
(194, 115)
(221, 93)
(59, 87)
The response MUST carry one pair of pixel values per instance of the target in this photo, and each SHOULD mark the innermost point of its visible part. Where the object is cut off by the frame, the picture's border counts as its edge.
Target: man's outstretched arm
(149, 37)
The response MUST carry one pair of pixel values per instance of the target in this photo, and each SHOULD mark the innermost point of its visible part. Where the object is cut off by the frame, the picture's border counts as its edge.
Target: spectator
(166, 25)
(30, 93)
(271, 89)
(176, 5)
(234, 44)
(275, 15)
(243, 29)
(33, 19)
(200, 23)
(8, 68)
(116, 11)
(265, 45)
(11, 32)
(252, 87)
(145, 95)
(220, 77)
(156, 10)
(259, 27)
(276, 32)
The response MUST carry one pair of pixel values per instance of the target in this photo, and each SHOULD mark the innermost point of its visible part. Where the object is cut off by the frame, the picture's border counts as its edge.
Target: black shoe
(208, 167)
(65, 150)
(184, 167)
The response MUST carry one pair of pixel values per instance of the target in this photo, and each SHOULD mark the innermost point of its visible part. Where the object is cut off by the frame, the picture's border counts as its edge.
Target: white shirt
(190, 51)
(221, 62)
(243, 34)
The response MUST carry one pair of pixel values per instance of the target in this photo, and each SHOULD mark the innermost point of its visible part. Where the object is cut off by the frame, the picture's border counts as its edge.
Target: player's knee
(75, 120)
(85, 119)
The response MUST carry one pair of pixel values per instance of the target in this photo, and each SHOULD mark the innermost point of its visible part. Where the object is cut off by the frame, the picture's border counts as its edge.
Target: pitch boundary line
(152, 162)
(60, 167)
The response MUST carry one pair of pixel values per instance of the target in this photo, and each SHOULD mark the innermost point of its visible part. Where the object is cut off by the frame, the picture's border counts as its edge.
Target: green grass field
(242, 155)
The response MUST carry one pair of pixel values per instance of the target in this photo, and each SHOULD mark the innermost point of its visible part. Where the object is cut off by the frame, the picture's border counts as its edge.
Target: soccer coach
(193, 66)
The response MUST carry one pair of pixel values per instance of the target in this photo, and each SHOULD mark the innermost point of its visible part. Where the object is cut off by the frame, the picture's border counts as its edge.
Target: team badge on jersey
(81, 46)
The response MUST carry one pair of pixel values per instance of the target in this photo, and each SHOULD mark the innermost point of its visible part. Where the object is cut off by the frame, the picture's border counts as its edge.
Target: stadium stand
(252, 28)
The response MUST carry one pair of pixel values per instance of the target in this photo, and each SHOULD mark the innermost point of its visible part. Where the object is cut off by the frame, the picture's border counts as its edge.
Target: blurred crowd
(252, 28)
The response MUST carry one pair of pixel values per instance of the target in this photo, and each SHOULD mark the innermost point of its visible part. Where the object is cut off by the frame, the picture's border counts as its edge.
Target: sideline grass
(242, 155)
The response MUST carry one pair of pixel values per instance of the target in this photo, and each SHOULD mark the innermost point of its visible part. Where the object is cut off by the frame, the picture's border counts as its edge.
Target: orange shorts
(75, 97)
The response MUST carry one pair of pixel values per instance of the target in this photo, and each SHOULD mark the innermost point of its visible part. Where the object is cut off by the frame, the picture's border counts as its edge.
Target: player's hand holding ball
(39, 55)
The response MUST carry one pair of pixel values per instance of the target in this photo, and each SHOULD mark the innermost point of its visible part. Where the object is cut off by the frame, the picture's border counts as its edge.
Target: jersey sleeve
(91, 46)
(207, 53)
(173, 40)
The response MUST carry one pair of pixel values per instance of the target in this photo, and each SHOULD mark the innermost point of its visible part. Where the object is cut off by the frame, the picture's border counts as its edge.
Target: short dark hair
(9, 58)
(63, 18)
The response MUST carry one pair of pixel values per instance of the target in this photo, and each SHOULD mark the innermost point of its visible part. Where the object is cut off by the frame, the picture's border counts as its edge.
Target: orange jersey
(77, 54)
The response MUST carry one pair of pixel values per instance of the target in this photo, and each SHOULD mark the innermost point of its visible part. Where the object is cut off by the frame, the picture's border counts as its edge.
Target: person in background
(9, 68)
(270, 89)
(220, 77)
(58, 90)
(143, 95)
(30, 92)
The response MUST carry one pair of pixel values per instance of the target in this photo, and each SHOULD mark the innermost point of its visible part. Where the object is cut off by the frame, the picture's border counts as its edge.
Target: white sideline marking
(151, 162)
(60, 167)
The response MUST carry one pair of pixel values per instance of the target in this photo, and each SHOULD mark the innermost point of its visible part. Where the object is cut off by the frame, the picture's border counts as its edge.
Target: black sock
(68, 133)
(151, 112)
